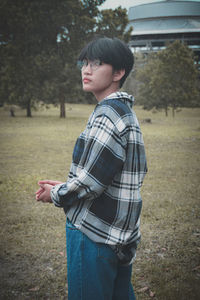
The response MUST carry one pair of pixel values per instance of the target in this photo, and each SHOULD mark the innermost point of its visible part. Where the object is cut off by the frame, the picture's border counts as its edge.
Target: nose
(87, 69)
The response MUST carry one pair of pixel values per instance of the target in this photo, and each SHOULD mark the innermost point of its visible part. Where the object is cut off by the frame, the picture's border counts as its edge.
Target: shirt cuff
(55, 196)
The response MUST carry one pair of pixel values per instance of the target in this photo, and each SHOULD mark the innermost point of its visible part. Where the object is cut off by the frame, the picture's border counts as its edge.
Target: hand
(43, 194)
(51, 182)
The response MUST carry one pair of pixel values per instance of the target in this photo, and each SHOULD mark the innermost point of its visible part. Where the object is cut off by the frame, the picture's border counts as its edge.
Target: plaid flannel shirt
(102, 194)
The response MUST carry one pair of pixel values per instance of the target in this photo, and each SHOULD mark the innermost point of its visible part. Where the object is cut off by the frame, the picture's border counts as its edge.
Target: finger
(41, 182)
(51, 182)
(39, 190)
(38, 195)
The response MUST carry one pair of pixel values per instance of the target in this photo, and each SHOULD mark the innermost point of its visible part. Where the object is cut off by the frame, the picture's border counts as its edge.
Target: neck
(106, 93)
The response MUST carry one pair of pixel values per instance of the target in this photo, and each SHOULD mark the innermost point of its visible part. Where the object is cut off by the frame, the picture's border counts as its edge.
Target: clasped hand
(43, 193)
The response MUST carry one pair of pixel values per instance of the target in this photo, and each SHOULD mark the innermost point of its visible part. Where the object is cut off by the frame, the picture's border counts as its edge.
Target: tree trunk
(62, 106)
(173, 111)
(12, 112)
(28, 109)
(166, 111)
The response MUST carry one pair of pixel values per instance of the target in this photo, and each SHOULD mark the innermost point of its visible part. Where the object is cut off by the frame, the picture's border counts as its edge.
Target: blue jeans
(94, 271)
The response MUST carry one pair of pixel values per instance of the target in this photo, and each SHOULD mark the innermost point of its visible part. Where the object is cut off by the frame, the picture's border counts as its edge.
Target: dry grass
(32, 248)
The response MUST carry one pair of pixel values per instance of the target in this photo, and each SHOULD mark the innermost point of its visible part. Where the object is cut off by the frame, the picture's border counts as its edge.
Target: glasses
(94, 65)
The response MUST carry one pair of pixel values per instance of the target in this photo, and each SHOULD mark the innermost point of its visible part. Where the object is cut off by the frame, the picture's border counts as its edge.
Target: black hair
(110, 51)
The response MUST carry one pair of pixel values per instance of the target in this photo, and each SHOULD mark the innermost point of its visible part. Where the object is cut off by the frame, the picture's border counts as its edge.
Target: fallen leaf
(144, 289)
(52, 250)
(151, 294)
(163, 249)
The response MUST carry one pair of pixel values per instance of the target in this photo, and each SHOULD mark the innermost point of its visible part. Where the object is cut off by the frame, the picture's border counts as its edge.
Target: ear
(118, 74)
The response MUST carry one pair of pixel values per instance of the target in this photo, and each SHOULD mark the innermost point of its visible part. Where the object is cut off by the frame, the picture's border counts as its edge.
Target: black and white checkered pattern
(102, 194)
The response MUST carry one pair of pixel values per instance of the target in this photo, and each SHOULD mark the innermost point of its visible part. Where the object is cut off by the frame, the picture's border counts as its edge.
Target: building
(156, 23)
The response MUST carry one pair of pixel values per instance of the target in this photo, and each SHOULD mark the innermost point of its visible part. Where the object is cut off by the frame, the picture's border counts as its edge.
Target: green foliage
(26, 33)
(39, 44)
(113, 23)
(169, 79)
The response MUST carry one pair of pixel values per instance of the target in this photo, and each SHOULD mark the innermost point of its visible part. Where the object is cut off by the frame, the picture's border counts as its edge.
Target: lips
(86, 80)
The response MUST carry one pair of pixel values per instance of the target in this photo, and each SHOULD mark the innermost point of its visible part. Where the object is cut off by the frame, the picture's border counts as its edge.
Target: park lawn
(32, 237)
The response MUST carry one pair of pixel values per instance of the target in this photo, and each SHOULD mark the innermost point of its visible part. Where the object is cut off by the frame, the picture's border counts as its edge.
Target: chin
(87, 89)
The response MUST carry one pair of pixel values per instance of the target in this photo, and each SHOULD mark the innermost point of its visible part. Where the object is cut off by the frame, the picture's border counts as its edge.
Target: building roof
(156, 23)
(165, 16)
(164, 9)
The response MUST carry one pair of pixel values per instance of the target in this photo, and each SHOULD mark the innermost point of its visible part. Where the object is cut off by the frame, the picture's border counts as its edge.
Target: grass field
(32, 236)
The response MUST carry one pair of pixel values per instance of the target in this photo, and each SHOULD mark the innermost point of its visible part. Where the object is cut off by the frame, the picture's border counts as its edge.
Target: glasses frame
(94, 64)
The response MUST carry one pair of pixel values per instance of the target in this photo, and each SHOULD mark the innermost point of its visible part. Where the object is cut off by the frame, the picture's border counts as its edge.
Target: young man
(101, 197)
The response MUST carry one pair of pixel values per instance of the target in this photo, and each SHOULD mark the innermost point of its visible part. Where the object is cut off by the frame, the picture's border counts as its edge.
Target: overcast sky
(125, 3)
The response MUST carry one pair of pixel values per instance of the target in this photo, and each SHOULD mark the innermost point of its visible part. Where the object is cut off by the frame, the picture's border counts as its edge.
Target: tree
(169, 79)
(113, 23)
(38, 45)
(24, 35)
(72, 92)
(65, 86)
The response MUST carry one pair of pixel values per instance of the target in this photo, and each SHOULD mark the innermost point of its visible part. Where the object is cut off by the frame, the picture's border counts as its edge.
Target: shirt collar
(129, 99)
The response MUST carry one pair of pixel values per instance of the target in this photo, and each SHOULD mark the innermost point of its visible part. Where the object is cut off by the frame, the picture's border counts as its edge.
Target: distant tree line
(39, 44)
(166, 79)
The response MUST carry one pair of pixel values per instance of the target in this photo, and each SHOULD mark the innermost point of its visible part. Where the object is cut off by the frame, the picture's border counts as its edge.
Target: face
(99, 78)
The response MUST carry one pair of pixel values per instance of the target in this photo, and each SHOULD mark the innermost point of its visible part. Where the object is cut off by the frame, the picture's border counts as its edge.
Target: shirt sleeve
(100, 160)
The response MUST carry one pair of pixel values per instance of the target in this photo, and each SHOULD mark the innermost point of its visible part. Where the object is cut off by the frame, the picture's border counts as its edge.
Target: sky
(123, 3)
(112, 4)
